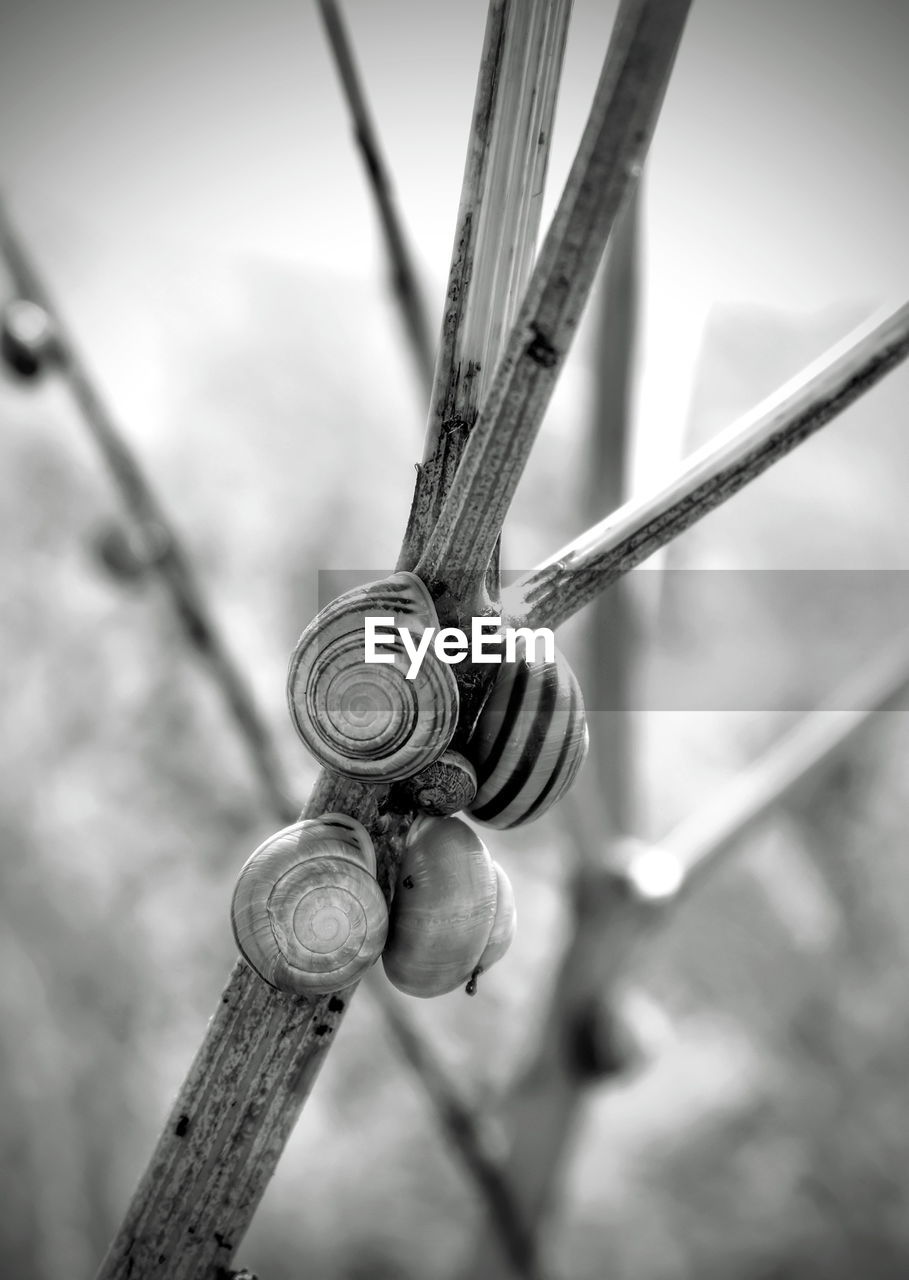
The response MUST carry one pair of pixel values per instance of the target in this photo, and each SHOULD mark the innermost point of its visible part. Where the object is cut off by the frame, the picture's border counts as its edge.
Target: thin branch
(170, 560)
(590, 563)
(454, 1116)
(700, 841)
(495, 233)
(612, 150)
(607, 780)
(404, 280)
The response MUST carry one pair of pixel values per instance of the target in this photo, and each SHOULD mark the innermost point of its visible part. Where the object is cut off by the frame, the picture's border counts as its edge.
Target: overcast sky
(779, 175)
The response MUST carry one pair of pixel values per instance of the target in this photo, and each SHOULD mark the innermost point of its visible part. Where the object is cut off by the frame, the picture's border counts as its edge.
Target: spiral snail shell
(529, 741)
(453, 910)
(366, 720)
(307, 912)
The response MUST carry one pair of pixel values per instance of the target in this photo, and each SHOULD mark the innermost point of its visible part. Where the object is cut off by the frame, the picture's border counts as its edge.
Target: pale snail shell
(366, 720)
(307, 912)
(529, 741)
(453, 910)
(27, 337)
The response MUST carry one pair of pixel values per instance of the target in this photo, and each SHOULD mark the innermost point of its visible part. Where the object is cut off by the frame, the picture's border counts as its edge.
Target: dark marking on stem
(335, 1005)
(181, 1128)
(407, 882)
(541, 351)
(323, 1029)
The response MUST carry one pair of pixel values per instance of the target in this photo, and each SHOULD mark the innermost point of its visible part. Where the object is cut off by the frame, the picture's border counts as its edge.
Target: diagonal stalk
(619, 903)
(589, 564)
(454, 1116)
(495, 233)
(542, 1105)
(404, 280)
(700, 841)
(612, 150)
(170, 561)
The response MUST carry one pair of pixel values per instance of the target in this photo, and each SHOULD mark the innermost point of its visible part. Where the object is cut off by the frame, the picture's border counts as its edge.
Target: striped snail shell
(307, 912)
(27, 338)
(529, 741)
(363, 719)
(453, 910)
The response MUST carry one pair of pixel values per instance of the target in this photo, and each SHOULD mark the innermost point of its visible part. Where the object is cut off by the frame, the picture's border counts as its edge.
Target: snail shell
(529, 741)
(443, 787)
(27, 338)
(307, 912)
(450, 915)
(365, 720)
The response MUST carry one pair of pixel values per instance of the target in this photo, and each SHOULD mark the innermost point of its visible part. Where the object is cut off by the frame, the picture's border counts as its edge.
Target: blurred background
(186, 179)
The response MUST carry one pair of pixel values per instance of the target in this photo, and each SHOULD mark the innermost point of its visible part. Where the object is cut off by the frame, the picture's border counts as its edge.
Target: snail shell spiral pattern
(453, 910)
(365, 720)
(307, 913)
(529, 741)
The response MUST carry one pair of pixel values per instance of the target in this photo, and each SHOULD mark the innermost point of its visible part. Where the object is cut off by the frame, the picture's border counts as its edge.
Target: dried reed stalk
(590, 563)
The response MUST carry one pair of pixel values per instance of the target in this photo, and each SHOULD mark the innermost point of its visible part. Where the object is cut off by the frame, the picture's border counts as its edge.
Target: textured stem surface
(612, 150)
(588, 565)
(495, 234)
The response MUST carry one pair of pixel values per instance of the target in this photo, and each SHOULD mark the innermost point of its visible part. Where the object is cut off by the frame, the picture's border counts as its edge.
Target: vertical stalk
(495, 233)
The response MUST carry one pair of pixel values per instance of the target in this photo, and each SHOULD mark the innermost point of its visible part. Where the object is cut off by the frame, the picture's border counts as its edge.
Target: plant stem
(201, 627)
(471, 1140)
(170, 561)
(404, 280)
(612, 150)
(614, 918)
(543, 1103)
(589, 564)
(495, 233)
(701, 840)
(261, 1054)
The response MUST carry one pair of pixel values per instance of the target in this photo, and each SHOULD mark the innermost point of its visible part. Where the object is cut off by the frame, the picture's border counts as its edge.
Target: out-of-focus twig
(607, 779)
(589, 564)
(700, 841)
(613, 148)
(169, 559)
(542, 1105)
(253, 1073)
(495, 233)
(404, 279)
(473, 1141)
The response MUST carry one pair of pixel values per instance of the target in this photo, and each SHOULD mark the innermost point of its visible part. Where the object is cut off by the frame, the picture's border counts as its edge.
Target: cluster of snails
(308, 914)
